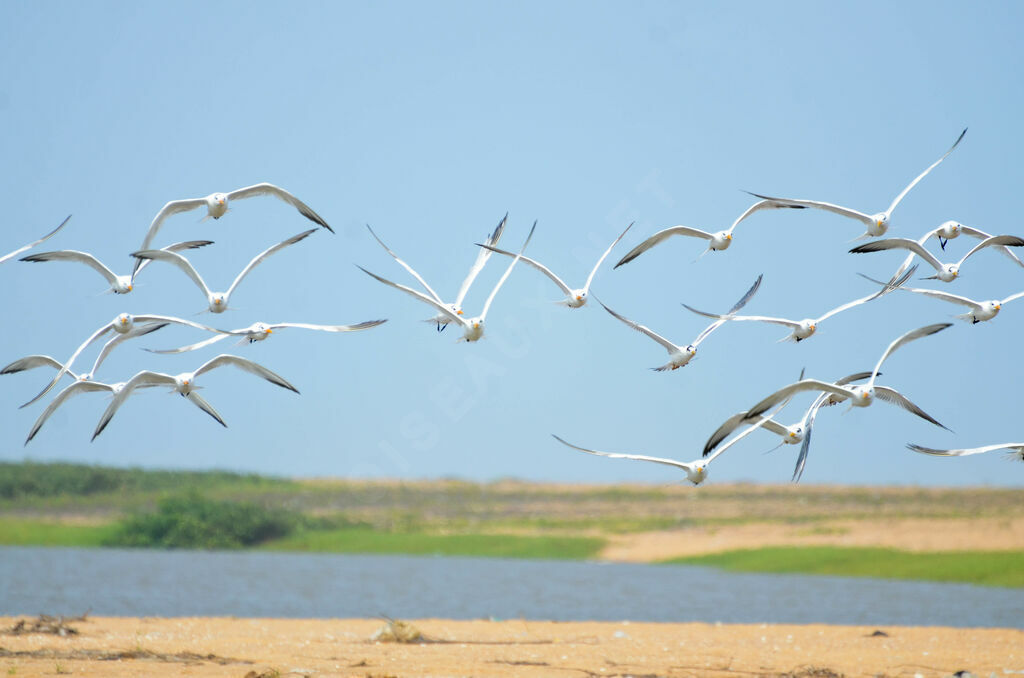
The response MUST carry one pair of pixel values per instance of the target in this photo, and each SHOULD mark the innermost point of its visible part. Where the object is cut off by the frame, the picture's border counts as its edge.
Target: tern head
(862, 396)
(697, 472)
(879, 224)
(794, 435)
(806, 328)
(457, 310)
(122, 284)
(948, 230)
(218, 302)
(217, 205)
(123, 323)
(185, 382)
(475, 329)
(949, 273)
(259, 332)
(576, 298)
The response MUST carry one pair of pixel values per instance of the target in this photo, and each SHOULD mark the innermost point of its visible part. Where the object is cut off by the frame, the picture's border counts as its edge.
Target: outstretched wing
(74, 255)
(178, 260)
(659, 237)
(481, 258)
(996, 240)
(144, 378)
(920, 176)
(593, 272)
(201, 403)
(508, 272)
(893, 396)
(536, 264)
(1016, 447)
(668, 345)
(266, 253)
(247, 365)
(58, 400)
(638, 457)
(817, 204)
(442, 308)
(34, 242)
(737, 306)
(407, 267)
(281, 194)
(899, 244)
(905, 339)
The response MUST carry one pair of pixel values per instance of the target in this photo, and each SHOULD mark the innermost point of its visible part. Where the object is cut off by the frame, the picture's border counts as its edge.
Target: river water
(118, 582)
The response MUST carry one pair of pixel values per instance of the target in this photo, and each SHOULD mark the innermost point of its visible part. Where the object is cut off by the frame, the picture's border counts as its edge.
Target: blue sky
(430, 122)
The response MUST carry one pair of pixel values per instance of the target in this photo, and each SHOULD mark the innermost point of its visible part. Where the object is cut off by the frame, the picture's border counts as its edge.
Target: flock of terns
(858, 390)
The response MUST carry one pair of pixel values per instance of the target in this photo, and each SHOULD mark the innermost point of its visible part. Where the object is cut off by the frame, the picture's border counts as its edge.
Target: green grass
(15, 532)
(363, 540)
(987, 568)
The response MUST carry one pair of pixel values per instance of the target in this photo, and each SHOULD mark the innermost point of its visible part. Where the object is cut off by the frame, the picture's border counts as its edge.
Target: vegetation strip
(987, 568)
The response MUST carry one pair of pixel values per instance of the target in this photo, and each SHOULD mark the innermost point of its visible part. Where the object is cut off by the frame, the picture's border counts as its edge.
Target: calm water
(115, 582)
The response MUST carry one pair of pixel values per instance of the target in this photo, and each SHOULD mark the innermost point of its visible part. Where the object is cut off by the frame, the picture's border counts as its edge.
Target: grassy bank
(986, 568)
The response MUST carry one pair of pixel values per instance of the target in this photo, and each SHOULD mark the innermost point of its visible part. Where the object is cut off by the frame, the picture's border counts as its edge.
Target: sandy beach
(265, 648)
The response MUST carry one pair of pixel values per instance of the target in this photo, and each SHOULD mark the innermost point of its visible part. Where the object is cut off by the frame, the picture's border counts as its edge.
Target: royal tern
(716, 241)
(943, 272)
(877, 224)
(441, 320)
(217, 301)
(574, 298)
(696, 470)
(119, 284)
(473, 329)
(122, 324)
(185, 384)
(859, 396)
(803, 329)
(260, 331)
(217, 205)
(32, 244)
(1015, 450)
(980, 311)
(679, 356)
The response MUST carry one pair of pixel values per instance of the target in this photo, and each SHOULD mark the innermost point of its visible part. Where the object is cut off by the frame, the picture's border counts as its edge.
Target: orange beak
(458, 312)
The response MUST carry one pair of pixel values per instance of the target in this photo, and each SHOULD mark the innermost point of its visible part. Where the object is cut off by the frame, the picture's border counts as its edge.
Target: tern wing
(266, 253)
(789, 391)
(1001, 240)
(173, 207)
(593, 272)
(817, 204)
(1017, 447)
(247, 365)
(407, 267)
(508, 271)
(761, 205)
(536, 264)
(30, 362)
(281, 194)
(638, 457)
(481, 258)
(331, 328)
(32, 244)
(202, 404)
(144, 378)
(902, 244)
(668, 345)
(178, 260)
(659, 237)
(74, 255)
(66, 367)
(920, 176)
(442, 308)
(891, 395)
(114, 341)
(906, 338)
(58, 400)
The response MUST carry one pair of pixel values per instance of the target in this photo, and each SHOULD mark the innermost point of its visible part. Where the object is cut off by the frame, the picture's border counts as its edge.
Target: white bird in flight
(1015, 450)
(716, 241)
(260, 331)
(185, 384)
(124, 323)
(33, 361)
(680, 356)
(32, 244)
(473, 329)
(119, 284)
(859, 396)
(217, 301)
(574, 298)
(877, 224)
(979, 311)
(696, 470)
(943, 272)
(217, 205)
(441, 320)
(80, 386)
(803, 329)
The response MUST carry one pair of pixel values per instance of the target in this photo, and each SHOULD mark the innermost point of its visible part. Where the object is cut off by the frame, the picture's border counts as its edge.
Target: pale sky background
(431, 121)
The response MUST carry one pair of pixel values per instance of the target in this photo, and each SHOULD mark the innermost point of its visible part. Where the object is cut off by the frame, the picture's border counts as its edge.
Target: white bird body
(946, 272)
(217, 205)
(11, 255)
(877, 224)
(473, 329)
(574, 298)
(680, 356)
(717, 241)
(217, 302)
(979, 311)
(119, 284)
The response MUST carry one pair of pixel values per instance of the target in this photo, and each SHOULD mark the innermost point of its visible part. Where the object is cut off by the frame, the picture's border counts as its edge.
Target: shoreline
(264, 648)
